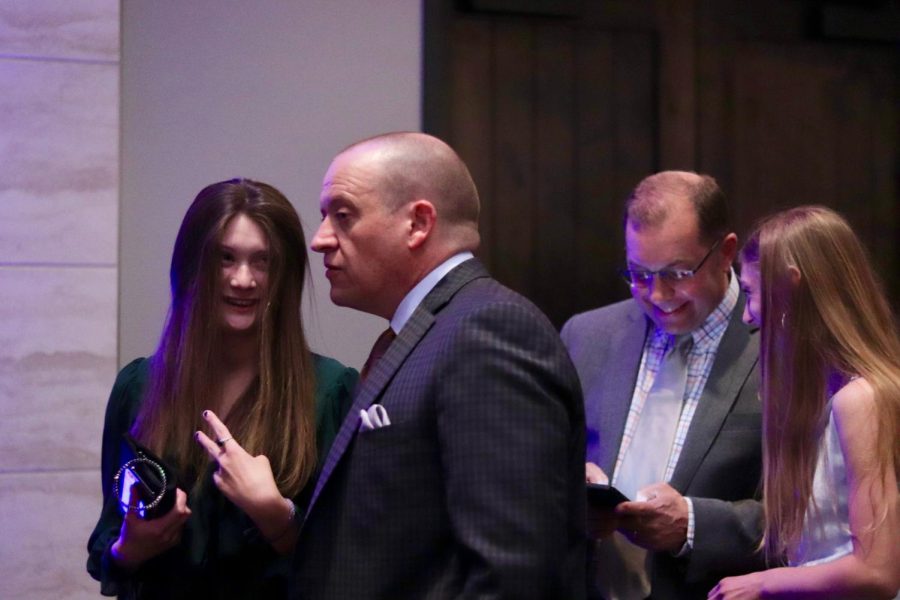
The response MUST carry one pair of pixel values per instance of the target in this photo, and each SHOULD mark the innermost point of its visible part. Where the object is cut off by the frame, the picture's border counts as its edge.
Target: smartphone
(127, 487)
(604, 496)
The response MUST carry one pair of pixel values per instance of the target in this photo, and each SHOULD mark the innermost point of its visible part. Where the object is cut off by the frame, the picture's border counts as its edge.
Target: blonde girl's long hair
(834, 318)
(276, 415)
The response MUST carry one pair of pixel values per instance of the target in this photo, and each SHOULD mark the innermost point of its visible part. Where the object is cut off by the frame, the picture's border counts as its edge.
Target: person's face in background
(363, 241)
(678, 307)
(244, 274)
(751, 286)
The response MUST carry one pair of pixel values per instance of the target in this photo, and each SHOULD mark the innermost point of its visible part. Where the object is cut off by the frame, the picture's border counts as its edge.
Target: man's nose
(659, 289)
(323, 240)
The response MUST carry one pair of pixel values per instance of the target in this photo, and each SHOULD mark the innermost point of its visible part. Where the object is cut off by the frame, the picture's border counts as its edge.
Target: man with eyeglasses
(670, 383)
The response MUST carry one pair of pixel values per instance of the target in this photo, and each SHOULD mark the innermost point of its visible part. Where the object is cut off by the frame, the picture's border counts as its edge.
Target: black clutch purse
(144, 483)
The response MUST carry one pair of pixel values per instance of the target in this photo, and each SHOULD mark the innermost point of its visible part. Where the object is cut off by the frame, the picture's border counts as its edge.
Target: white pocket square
(374, 418)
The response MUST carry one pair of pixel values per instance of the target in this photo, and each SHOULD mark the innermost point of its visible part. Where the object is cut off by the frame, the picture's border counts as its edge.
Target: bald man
(459, 470)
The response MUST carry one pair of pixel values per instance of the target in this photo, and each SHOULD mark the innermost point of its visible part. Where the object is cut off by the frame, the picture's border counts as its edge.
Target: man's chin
(675, 330)
(336, 298)
(342, 299)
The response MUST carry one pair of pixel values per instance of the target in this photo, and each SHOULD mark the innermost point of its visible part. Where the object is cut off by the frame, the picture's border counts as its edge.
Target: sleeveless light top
(826, 528)
(826, 531)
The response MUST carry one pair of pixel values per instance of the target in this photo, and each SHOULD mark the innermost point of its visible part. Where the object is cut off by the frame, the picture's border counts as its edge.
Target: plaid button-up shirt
(699, 364)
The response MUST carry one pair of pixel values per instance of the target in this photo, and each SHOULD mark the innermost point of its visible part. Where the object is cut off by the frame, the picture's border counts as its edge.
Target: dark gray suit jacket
(719, 467)
(476, 489)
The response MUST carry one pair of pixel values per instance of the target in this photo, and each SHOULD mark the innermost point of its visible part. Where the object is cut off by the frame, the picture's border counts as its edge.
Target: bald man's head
(415, 166)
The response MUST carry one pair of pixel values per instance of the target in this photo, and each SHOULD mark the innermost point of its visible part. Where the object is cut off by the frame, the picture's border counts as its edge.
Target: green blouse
(221, 554)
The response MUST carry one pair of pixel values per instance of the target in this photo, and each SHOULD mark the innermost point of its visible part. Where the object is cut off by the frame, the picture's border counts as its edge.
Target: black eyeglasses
(643, 277)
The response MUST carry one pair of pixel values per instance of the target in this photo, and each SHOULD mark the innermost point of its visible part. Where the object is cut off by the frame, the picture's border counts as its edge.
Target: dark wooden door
(560, 108)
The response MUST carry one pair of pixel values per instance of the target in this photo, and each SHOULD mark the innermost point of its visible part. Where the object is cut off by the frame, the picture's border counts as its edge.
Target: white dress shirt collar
(415, 296)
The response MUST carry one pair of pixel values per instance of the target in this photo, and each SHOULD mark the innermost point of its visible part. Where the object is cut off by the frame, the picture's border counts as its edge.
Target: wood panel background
(560, 108)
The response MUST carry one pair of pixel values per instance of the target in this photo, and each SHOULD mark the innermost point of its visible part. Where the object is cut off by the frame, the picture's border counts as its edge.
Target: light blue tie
(620, 566)
(648, 455)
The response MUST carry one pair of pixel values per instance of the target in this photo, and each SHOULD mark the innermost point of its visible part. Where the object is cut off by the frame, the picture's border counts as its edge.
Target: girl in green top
(232, 363)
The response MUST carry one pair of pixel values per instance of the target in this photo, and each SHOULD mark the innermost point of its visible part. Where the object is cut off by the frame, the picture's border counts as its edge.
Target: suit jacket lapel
(734, 360)
(385, 369)
(627, 344)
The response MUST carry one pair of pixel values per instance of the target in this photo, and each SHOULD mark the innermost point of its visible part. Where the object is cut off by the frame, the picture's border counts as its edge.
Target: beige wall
(209, 89)
(59, 118)
(213, 89)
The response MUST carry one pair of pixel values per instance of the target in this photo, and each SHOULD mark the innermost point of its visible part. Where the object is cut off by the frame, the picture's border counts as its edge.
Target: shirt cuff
(689, 541)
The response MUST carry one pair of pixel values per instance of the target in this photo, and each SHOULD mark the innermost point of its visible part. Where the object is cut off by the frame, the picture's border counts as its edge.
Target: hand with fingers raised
(140, 540)
(249, 483)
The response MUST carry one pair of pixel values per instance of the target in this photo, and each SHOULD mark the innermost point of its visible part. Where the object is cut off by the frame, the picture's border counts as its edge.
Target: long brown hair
(276, 415)
(833, 319)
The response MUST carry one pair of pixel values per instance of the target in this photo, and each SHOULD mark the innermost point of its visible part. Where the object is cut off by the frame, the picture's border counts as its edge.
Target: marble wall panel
(59, 117)
(46, 519)
(72, 29)
(57, 365)
(59, 148)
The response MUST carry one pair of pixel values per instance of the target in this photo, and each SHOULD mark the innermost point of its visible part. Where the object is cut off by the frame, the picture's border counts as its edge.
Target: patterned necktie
(648, 455)
(619, 566)
(381, 345)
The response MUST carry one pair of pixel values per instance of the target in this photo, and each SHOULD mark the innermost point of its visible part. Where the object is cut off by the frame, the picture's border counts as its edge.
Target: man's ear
(422, 219)
(728, 248)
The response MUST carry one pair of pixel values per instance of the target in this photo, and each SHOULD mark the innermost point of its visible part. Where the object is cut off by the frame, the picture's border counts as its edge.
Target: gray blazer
(476, 489)
(720, 465)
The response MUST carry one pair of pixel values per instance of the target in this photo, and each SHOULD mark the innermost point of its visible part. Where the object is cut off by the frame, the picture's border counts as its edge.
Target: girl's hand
(140, 540)
(745, 587)
(247, 481)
